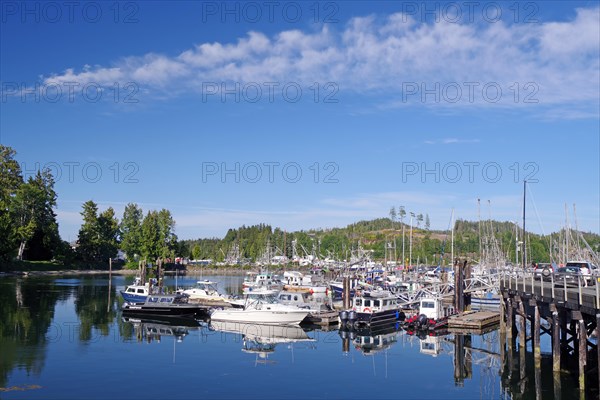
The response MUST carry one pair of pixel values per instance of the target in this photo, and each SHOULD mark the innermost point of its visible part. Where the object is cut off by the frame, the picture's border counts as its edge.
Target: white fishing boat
(205, 291)
(258, 281)
(261, 307)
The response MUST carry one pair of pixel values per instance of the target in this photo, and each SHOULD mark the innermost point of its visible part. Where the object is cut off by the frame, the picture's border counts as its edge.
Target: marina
(475, 357)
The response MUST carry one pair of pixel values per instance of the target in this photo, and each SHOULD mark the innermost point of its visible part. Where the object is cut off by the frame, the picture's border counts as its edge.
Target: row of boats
(297, 301)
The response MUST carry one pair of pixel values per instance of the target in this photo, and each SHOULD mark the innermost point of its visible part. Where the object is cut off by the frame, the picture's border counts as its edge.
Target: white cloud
(378, 56)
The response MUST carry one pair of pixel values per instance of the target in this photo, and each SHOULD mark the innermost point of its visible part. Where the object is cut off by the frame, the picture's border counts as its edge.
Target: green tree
(37, 228)
(401, 213)
(88, 242)
(131, 230)
(427, 222)
(196, 252)
(10, 180)
(168, 239)
(151, 247)
(108, 234)
(393, 215)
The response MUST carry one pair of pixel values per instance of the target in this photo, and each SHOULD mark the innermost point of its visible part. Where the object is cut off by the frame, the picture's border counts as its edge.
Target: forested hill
(339, 243)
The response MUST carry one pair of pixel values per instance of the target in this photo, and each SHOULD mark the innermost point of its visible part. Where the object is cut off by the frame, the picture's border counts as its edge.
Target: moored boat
(432, 315)
(205, 292)
(261, 307)
(164, 305)
(137, 292)
(371, 308)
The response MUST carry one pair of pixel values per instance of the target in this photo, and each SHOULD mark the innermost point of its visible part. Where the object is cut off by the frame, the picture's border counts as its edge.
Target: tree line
(29, 229)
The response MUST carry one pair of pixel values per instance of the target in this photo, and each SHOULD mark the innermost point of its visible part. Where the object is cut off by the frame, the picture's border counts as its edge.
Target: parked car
(588, 270)
(571, 276)
(543, 271)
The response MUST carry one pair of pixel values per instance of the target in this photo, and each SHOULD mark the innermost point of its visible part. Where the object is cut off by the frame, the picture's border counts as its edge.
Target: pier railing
(554, 289)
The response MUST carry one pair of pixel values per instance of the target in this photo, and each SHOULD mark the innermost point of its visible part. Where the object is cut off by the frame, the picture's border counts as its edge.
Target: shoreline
(130, 272)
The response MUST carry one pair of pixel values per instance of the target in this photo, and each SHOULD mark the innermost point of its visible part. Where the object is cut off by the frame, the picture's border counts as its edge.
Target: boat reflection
(262, 340)
(372, 340)
(155, 329)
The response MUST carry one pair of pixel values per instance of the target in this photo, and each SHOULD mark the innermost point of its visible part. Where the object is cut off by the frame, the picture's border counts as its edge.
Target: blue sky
(376, 104)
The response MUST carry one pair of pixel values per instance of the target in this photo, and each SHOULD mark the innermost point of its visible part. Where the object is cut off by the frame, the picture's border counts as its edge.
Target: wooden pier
(569, 315)
(473, 321)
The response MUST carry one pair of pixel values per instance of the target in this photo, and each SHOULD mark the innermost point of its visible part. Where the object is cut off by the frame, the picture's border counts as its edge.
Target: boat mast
(567, 234)
(452, 240)
(524, 237)
(516, 243)
(410, 241)
(479, 223)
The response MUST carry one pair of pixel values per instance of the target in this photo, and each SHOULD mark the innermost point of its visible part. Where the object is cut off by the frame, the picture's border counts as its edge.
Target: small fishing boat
(164, 305)
(432, 315)
(137, 292)
(317, 303)
(371, 308)
(206, 292)
(485, 301)
(264, 280)
(261, 307)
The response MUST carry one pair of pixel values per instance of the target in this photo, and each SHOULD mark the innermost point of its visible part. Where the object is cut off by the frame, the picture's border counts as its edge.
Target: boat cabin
(373, 302)
(433, 308)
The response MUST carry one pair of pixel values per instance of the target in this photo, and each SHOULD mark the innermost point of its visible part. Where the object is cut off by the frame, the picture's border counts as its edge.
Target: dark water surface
(65, 338)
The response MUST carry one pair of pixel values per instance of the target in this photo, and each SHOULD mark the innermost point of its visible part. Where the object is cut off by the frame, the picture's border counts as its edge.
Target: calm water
(65, 338)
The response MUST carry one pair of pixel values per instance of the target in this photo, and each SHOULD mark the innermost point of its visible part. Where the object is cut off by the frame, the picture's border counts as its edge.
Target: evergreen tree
(88, 242)
(401, 213)
(131, 230)
(151, 243)
(168, 239)
(108, 234)
(393, 215)
(10, 180)
(427, 222)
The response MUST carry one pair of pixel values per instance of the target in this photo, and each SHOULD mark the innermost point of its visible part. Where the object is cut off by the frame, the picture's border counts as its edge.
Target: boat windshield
(262, 298)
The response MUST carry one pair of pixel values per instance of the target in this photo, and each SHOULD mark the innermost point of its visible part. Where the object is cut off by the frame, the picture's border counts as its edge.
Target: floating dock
(473, 321)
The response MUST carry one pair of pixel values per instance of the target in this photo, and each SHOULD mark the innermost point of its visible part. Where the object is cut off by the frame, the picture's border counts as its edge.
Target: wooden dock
(473, 321)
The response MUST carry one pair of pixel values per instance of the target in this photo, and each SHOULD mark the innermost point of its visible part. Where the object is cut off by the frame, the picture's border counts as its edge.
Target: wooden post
(557, 385)
(510, 320)
(502, 316)
(538, 381)
(537, 351)
(598, 336)
(582, 334)
(346, 292)
(522, 326)
(459, 300)
(467, 276)
(555, 342)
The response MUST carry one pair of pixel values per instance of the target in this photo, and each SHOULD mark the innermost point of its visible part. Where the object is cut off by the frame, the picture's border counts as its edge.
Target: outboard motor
(422, 321)
(352, 315)
(344, 315)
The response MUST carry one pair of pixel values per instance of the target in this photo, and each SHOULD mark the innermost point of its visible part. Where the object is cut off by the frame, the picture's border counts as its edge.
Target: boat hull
(166, 311)
(264, 317)
(378, 318)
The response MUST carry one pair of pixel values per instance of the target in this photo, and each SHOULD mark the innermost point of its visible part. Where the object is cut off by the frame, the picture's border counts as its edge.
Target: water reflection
(261, 340)
(26, 312)
(34, 311)
(370, 340)
(150, 330)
